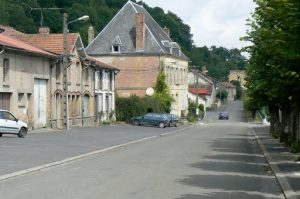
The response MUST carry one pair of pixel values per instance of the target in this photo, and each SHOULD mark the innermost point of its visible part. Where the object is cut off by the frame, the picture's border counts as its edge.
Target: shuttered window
(5, 70)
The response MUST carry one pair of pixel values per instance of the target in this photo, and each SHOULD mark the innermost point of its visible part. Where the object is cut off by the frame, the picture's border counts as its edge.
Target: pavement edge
(286, 188)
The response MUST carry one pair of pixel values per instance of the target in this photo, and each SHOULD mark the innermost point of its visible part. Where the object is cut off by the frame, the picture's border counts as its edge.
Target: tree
(273, 74)
(162, 91)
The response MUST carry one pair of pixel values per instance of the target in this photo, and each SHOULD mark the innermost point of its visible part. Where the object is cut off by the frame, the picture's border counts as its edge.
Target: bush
(126, 108)
(295, 147)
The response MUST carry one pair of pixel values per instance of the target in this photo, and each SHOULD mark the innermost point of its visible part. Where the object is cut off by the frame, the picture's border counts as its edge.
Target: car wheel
(0, 134)
(176, 125)
(161, 125)
(22, 133)
(136, 122)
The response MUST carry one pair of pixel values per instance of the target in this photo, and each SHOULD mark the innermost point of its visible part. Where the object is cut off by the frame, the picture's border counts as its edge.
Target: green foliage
(273, 75)
(16, 13)
(218, 60)
(191, 117)
(222, 95)
(127, 108)
(201, 107)
(162, 91)
(239, 90)
(295, 147)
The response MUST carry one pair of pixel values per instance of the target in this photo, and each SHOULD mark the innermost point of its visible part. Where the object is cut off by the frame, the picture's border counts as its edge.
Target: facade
(230, 89)
(140, 48)
(198, 95)
(85, 84)
(197, 79)
(104, 90)
(25, 81)
(238, 75)
(80, 79)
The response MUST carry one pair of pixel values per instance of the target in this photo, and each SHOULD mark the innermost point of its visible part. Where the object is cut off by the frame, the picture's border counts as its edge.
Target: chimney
(140, 31)
(204, 70)
(167, 31)
(44, 30)
(91, 34)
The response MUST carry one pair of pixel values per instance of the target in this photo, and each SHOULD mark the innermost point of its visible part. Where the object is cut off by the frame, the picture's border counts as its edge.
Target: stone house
(229, 88)
(238, 75)
(198, 79)
(198, 95)
(135, 43)
(25, 81)
(85, 85)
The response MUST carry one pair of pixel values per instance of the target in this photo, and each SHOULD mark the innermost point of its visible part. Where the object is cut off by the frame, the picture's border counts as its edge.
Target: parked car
(155, 119)
(223, 115)
(173, 120)
(10, 125)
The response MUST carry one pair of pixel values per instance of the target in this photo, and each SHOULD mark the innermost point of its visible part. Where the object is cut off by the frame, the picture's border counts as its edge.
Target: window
(5, 69)
(115, 48)
(21, 99)
(86, 74)
(8, 116)
(58, 71)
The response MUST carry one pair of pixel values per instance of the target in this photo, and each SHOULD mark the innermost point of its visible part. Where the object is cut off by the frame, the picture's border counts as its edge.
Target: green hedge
(127, 108)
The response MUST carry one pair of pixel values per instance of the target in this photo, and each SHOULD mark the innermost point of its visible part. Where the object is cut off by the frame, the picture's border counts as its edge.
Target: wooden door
(40, 103)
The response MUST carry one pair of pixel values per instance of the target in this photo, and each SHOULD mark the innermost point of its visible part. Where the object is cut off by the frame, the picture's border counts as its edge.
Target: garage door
(5, 101)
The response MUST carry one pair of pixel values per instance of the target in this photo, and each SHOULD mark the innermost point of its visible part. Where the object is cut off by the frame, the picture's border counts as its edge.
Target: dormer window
(115, 48)
(116, 45)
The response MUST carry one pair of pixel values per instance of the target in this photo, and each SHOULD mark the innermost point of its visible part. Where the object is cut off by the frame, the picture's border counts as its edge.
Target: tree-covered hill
(20, 15)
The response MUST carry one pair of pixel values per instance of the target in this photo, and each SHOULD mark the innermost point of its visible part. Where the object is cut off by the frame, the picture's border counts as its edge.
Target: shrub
(127, 108)
(295, 147)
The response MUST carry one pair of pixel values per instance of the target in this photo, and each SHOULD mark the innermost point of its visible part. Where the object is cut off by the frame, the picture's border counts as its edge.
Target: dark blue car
(154, 119)
(173, 120)
(223, 115)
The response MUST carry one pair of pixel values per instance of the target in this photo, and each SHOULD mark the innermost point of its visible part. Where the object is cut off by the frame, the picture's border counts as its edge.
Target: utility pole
(65, 72)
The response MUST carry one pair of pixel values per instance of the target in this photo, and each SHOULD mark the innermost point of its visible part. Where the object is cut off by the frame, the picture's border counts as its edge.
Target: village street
(218, 159)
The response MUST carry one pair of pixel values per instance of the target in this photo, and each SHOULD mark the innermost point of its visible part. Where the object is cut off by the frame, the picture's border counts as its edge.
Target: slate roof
(15, 44)
(52, 42)
(122, 28)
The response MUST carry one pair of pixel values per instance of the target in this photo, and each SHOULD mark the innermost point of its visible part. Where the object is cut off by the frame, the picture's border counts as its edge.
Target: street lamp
(65, 65)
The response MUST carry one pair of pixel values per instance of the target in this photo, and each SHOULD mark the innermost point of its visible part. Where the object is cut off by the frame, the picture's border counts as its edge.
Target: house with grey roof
(135, 43)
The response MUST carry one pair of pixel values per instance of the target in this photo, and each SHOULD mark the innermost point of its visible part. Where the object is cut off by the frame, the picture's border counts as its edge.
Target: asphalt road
(217, 160)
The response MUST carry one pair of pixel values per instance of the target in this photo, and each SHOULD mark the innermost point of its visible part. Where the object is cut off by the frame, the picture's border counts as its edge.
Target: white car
(11, 125)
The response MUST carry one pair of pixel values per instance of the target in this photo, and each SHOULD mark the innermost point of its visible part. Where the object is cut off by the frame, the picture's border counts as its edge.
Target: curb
(286, 188)
(78, 157)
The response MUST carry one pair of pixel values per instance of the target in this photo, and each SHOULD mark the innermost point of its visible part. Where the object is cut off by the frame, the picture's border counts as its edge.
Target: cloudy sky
(212, 22)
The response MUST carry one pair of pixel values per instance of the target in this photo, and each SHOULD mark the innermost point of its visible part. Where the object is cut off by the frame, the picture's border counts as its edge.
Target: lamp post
(65, 65)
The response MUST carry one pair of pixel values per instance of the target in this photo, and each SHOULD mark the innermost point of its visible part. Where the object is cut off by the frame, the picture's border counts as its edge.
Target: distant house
(199, 95)
(238, 75)
(198, 79)
(229, 88)
(25, 80)
(83, 88)
(135, 43)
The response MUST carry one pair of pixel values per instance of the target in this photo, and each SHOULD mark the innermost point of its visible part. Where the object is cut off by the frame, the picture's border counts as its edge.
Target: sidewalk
(283, 163)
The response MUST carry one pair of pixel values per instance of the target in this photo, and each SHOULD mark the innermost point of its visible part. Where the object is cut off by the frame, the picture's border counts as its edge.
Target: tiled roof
(20, 45)
(9, 31)
(123, 27)
(50, 42)
(200, 91)
(101, 64)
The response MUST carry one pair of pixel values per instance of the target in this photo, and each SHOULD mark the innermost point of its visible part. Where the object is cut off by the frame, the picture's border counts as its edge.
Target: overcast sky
(212, 22)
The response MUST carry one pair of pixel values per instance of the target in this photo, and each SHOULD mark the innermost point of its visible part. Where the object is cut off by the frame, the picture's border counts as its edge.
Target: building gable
(124, 27)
